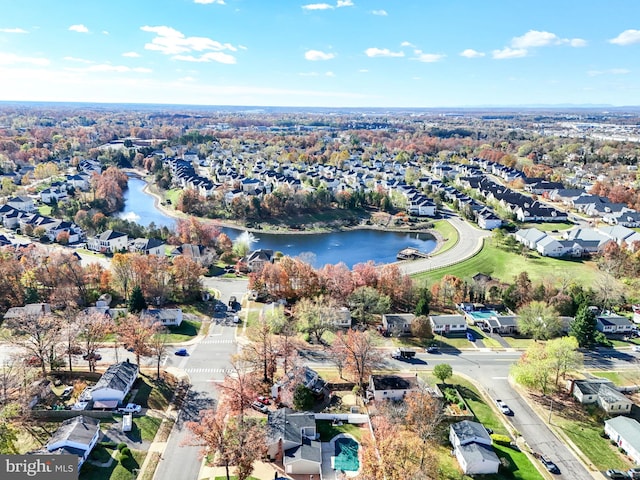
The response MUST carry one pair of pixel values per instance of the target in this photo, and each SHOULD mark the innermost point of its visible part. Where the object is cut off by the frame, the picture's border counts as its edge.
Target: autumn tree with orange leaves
(360, 352)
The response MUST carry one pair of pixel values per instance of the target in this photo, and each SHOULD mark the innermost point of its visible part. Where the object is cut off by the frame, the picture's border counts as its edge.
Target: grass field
(621, 379)
(504, 266)
(327, 431)
(186, 331)
(448, 234)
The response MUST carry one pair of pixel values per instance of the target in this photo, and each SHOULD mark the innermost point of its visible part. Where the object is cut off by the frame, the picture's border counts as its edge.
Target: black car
(549, 465)
(432, 349)
(616, 474)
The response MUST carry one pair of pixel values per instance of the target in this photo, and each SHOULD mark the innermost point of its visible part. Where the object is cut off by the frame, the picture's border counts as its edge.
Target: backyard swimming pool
(346, 455)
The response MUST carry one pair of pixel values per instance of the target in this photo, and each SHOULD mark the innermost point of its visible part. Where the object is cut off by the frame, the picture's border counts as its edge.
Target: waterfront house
(108, 241)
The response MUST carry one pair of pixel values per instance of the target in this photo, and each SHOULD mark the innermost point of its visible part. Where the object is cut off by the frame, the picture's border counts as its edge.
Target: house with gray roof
(446, 324)
(398, 323)
(114, 384)
(529, 237)
(602, 392)
(613, 324)
(472, 448)
(625, 432)
(392, 386)
(292, 438)
(108, 241)
(75, 436)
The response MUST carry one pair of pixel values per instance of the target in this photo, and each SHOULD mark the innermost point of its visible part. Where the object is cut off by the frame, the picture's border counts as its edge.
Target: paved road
(469, 243)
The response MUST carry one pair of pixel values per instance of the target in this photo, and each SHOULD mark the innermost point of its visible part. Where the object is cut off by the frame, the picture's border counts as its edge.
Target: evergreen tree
(583, 327)
(137, 302)
(303, 398)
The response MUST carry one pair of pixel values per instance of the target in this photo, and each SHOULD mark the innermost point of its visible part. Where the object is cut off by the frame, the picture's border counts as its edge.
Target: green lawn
(517, 464)
(153, 394)
(504, 266)
(585, 433)
(452, 342)
(44, 210)
(448, 233)
(173, 195)
(327, 431)
(114, 472)
(186, 331)
(145, 428)
(488, 341)
(518, 342)
(621, 379)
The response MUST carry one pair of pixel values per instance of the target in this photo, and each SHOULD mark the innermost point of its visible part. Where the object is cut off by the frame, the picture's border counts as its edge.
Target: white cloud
(170, 41)
(131, 54)
(77, 60)
(219, 57)
(329, 74)
(471, 53)
(578, 42)
(627, 37)
(344, 3)
(105, 32)
(381, 13)
(315, 55)
(611, 71)
(382, 52)
(407, 44)
(12, 59)
(317, 6)
(13, 30)
(363, 70)
(428, 57)
(79, 28)
(535, 38)
(206, 2)
(509, 53)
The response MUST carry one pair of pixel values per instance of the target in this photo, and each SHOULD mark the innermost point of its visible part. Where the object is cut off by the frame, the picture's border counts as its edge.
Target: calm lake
(350, 247)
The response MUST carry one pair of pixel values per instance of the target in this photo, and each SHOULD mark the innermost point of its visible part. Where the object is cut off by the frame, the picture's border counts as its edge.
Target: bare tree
(158, 346)
(9, 379)
(239, 388)
(360, 353)
(38, 335)
(94, 328)
(136, 334)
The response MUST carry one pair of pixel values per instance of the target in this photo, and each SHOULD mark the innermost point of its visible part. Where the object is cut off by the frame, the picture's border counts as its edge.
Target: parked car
(432, 349)
(181, 352)
(634, 472)
(33, 361)
(130, 408)
(67, 392)
(263, 400)
(471, 337)
(259, 407)
(549, 465)
(635, 348)
(92, 356)
(504, 408)
(616, 474)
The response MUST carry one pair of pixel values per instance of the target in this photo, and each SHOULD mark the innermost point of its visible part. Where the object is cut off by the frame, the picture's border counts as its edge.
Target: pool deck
(328, 451)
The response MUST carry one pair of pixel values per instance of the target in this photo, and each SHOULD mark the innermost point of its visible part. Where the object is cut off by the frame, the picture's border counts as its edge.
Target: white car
(504, 408)
(130, 408)
(635, 348)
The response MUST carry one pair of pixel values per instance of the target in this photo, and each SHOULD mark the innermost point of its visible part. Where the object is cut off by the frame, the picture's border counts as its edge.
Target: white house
(529, 237)
(114, 384)
(625, 432)
(446, 324)
(613, 324)
(291, 437)
(391, 387)
(550, 247)
(147, 246)
(75, 436)
(472, 448)
(487, 220)
(602, 392)
(22, 203)
(169, 317)
(108, 241)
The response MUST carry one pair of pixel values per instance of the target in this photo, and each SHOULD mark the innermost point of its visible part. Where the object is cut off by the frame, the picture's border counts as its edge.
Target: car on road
(432, 349)
(549, 465)
(635, 348)
(504, 408)
(130, 408)
(634, 472)
(616, 474)
(259, 407)
(181, 352)
(471, 337)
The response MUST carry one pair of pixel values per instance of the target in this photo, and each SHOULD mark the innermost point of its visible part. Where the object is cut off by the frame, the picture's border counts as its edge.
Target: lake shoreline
(149, 189)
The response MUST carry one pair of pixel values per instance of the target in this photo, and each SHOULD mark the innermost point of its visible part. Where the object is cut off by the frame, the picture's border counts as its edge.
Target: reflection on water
(350, 247)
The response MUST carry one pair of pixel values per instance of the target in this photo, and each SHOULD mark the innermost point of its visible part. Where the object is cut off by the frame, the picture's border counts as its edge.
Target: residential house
(392, 386)
(487, 220)
(472, 448)
(198, 253)
(446, 324)
(613, 324)
(22, 203)
(292, 438)
(108, 241)
(147, 246)
(30, 310)
(602, 392)
(529, 237)
(168, 317)
(75, 436)
(114, 384)
(258, 258)
(502, 324)
(550, 247)
(342, 317)
(300, 375)
(625, 432)
(398, 324)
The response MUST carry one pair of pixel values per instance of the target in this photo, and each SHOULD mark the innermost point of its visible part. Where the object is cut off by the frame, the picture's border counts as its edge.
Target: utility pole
(550, 410)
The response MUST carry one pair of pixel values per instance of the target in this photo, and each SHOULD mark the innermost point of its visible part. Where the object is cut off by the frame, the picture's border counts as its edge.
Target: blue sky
(343, 53)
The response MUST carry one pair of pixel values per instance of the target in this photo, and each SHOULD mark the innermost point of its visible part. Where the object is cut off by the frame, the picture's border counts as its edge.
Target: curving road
(470, 240)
